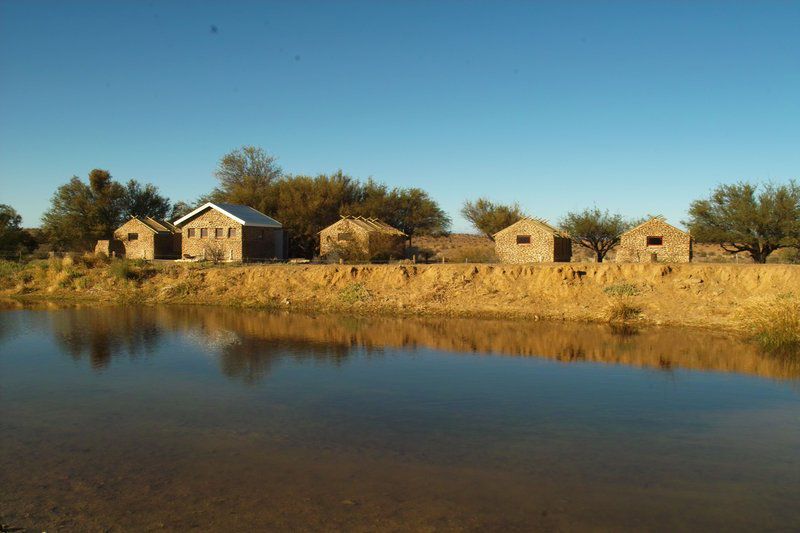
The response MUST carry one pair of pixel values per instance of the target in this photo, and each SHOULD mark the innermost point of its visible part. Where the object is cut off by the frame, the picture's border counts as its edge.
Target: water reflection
(248, 342)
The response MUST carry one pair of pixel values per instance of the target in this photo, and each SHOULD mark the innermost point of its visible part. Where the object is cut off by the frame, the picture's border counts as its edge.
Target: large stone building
(143, 238)
(361, 238)
(230, 232)
(655, 241)
(531, 240)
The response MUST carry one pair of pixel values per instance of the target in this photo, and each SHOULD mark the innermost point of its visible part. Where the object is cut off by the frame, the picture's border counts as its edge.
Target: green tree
(305, 205)
(13, 236)
(597, 230)
(80, 214)
(410, 210)
(489, 217)
(746, 217)
(414, 212)
(181, 208)
(246, 176)
(145, 201)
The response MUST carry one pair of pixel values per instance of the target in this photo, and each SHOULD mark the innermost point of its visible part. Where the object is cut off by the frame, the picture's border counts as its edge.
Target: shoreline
(693, 295)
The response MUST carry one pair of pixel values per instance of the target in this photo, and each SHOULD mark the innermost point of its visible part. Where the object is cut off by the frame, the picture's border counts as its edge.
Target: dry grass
(623, 310)
(773, 322)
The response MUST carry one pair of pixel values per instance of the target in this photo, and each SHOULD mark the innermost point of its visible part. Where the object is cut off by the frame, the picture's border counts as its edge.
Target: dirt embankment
(690, 294)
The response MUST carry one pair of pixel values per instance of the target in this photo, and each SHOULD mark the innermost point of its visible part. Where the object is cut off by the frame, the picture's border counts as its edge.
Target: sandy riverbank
(708, 295)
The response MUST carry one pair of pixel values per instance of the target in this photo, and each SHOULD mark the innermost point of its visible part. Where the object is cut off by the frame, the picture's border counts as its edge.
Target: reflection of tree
(252, 358)
(248, 343)
(101, 334)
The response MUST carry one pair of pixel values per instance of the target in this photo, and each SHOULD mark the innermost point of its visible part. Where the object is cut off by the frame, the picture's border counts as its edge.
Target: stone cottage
(230, 232)
(655, 241)
(531, 240)
(143, 238)
(363, 238)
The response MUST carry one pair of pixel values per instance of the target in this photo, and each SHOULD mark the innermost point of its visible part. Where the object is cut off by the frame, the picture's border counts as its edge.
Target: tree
(145, 201)
(180, 209)
(414, 212)
(245, 177)
(489, 217)
(80, 214)
(305, 205)
(744, 217)
(12, 236)
(594, 229)
(410, 210)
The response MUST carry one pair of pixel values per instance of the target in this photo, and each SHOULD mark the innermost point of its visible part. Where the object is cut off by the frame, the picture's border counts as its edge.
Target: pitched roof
(244, 215)
(660, 219)
(537, 222)
(368, 224)
(154, 225)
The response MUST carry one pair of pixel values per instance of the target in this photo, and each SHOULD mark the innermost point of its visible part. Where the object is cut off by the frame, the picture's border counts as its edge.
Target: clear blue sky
(639, 106)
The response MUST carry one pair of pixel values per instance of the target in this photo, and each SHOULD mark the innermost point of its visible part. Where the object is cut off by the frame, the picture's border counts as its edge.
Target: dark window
(261, 234)
(190, 232)
(218, 233)
(203, 232)
(133, 236)
(345, 237)
(523, 239)
(655, 241)
(231, 233)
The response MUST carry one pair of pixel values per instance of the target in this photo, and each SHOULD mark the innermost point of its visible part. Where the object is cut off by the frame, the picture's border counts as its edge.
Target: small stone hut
(655, 241)
(531, 240)
(143, 238)
(230, 232)
(359, 237)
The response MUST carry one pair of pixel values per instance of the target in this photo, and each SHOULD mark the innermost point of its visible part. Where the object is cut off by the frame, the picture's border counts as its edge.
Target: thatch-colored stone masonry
(532, 241)
(655, 241)
(214, 236)
(366, 238)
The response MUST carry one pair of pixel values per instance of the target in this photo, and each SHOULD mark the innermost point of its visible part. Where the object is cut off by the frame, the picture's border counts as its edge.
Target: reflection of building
(655, 240)
(530, 240)
(247, 343)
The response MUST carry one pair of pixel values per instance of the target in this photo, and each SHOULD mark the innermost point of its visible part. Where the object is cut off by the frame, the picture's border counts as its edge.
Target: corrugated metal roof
(245, 215)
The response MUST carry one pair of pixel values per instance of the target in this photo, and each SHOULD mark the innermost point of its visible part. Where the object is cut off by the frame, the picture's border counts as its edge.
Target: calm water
(235, 420)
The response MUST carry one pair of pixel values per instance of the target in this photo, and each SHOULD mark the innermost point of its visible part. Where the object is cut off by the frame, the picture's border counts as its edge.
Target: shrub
(353, 293)
(773, 323)
(622, 311)
(622, 289)
(122, 269)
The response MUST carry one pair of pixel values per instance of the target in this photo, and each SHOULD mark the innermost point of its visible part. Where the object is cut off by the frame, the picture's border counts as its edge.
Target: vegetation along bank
(728, 296)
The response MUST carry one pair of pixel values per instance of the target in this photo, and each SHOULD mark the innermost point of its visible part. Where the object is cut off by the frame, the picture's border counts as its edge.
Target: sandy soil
(709, 295)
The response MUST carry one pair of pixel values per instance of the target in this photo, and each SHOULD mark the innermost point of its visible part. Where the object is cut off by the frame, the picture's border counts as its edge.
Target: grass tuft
(621, 311)
(354, 293)
(622, 289)
(773, 323)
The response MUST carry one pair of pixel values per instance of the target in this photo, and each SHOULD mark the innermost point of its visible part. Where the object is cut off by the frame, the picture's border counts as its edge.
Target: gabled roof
(154, 225)
(244, 215)
(660, 220)
(368, 224)
(536, 222)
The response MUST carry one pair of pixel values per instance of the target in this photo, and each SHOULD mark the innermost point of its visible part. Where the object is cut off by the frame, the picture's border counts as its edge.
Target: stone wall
(544, 246)
(329, 242)
(143, 246)
(237, 242)
(227, 248)
(362, 242)
(675, 247)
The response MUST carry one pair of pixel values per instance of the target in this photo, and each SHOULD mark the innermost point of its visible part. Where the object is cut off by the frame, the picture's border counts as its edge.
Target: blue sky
(639, 107)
